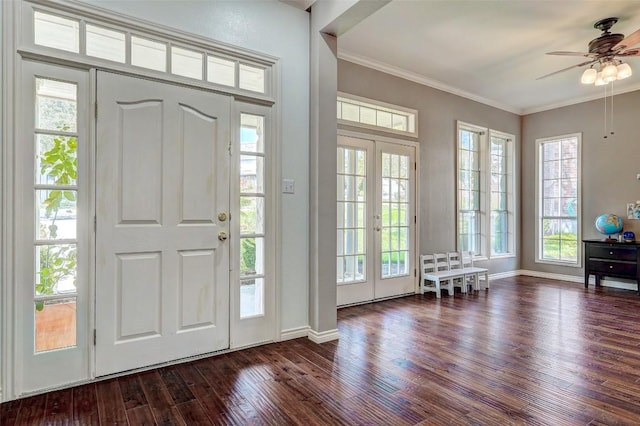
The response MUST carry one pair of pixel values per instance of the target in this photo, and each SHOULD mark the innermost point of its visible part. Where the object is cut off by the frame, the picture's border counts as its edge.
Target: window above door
(82, 35)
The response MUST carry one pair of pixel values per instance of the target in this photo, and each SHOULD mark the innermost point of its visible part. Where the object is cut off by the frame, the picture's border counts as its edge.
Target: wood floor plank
(32, 411)
(9, 412)
(110, 404)
(162, 405)
(529, 351)
(140, 415)
(176, 385)
(59, 408)
(85, 405)
(193, 413)
(131, 390)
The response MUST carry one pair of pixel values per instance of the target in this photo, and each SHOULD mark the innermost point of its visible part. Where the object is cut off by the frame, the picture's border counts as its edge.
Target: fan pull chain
(605, 111)
(611, 122)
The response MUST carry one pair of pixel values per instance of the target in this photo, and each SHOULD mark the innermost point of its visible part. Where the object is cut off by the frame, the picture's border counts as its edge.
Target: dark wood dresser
(611, 259)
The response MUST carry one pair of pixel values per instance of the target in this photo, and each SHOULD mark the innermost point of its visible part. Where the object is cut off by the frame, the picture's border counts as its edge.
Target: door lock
(222, 236)
(222, 217)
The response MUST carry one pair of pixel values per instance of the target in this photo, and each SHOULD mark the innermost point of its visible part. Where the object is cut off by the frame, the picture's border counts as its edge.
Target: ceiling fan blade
(629, 41)
(564, 53)
(629, 52)
(567, 69)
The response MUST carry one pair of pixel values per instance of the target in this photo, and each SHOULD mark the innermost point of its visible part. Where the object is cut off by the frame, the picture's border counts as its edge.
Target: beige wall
(609, 166)
(437, 115)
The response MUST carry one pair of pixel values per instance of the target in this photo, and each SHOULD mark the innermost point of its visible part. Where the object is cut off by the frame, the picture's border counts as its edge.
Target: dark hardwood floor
(527, 351)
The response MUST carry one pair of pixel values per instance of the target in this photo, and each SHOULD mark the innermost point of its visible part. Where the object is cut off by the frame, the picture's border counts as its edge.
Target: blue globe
(608, 223)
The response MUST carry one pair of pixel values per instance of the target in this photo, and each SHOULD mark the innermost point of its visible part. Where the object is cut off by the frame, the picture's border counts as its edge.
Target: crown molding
(580, 100)
(420, 79)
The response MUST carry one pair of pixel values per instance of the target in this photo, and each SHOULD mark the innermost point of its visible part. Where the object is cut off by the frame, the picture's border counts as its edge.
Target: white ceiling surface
(491, 51)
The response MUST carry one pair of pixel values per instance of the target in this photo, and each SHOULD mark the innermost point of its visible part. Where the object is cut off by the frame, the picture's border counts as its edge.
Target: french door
(162, 210)
(376, 215)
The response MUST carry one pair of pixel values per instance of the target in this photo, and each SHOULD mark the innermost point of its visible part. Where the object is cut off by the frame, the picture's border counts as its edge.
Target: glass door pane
(395, 202)
(351, 220)
(55, 193)
(252, 215)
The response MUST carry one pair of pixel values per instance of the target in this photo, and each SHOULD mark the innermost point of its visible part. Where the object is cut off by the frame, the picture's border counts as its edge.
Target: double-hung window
(486, 211)
(558, 199)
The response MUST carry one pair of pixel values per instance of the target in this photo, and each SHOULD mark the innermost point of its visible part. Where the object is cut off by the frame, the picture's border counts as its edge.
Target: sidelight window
(252, 215)
(56, 192)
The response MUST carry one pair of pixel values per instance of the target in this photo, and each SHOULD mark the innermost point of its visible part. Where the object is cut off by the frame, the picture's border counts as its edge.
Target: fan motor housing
(604, 43)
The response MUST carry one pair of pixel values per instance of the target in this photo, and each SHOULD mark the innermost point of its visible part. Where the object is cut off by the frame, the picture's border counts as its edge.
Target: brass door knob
(222, 236)
(222, 217)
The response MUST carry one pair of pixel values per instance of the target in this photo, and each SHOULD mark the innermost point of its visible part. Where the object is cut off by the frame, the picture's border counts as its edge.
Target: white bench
(473, 272)
(435, 271)
(453, 269)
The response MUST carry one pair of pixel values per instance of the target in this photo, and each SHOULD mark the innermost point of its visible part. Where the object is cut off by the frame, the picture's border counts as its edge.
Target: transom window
(486, 209)
(131, 46)
(362, 112)
(558, 199)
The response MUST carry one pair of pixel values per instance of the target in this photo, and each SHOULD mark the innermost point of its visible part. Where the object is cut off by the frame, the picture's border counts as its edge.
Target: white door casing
(162, 179)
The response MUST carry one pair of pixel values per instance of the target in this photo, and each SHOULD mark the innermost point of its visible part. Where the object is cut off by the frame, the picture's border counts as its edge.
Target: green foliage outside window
(59, 163)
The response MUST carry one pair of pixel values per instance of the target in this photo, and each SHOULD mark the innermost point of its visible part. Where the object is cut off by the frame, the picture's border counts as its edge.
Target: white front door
(162, 258)
(376, 220)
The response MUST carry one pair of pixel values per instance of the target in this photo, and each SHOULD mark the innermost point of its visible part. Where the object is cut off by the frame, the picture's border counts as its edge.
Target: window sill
(558, 263)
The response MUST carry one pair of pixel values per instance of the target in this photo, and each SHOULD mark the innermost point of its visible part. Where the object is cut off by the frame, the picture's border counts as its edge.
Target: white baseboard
(294, 333)
(323, 336)
(507, 274)
(605, 282)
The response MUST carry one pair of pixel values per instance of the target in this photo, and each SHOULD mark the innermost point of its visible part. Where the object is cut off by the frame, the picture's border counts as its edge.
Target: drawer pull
(610, 266)
(610, 252)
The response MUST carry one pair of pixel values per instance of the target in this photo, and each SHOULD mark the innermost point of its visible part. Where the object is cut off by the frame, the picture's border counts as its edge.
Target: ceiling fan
(604, 51)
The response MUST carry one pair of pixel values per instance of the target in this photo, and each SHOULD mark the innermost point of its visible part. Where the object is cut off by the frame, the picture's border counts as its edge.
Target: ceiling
(491, 51)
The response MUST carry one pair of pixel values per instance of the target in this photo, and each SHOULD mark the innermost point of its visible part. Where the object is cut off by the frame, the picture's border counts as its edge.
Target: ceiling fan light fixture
(624, 71)
(589, 76)
(599, 80)
(609, 72)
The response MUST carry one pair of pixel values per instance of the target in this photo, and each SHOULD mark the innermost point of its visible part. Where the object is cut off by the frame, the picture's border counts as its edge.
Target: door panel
(162, 275)
(140, 161)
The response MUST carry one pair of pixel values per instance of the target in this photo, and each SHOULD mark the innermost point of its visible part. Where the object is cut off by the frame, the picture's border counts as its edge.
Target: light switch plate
(288, 186)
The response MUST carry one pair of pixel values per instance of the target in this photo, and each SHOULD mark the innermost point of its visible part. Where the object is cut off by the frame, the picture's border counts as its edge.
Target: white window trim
(538, 207)
(512, 212)
(382, 105)
(485, 190)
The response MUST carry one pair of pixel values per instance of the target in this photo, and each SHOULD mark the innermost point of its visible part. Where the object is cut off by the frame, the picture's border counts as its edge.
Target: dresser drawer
(614, 253)
(615, 268)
